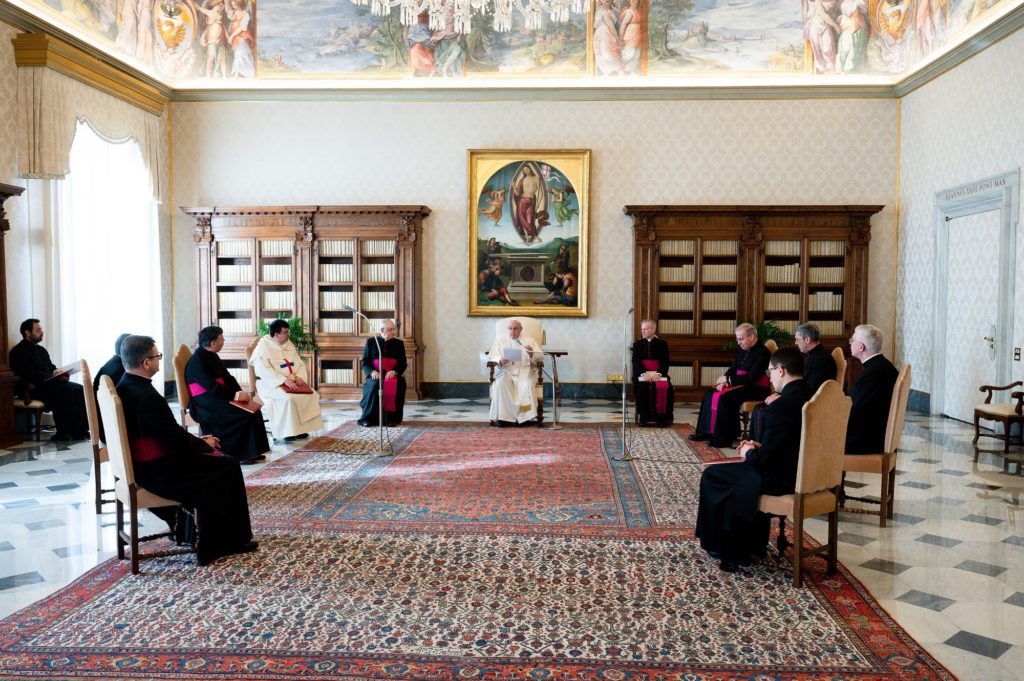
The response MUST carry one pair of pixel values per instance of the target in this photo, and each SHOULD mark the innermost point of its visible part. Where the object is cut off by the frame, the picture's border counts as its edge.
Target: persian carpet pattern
(470, 554)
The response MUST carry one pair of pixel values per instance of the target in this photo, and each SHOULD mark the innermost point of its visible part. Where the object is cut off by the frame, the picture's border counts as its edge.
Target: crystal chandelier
(439, 11)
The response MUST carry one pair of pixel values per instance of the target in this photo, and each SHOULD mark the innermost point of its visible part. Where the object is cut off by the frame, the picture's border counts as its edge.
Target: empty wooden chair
(747, 408)
(1006, 414)
(99, 448)
(819, 475)
(883, 463)
(181, 358)
(126, 491)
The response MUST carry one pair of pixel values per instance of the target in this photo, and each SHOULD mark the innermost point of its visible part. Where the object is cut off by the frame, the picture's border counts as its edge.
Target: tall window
(106, 250)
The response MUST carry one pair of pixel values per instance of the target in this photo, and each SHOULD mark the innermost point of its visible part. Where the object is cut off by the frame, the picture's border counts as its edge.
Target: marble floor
(949, 569)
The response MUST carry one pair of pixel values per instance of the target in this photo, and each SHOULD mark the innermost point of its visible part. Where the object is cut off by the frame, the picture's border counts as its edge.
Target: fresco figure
(135, 29)
(491, 285)
(144, 37)
(214, 38)
(894, 18)
(242, 63)
(631, 37)
(853, 36)
(449, 49)
(607, 50)
(820, 30)
(421, 50)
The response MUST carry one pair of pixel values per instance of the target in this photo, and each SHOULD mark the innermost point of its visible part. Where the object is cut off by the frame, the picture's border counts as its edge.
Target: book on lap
(252, 406)
(65, 371)
(728, 459)
(303, 389)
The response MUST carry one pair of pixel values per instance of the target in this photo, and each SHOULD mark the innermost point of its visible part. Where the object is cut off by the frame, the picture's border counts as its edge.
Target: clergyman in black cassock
(114, 368)
(172, 463)
(242, 434)
(871, 395)
(650, 353)
(393, 350)
(745, 379)
(728, 524)
(30, 361)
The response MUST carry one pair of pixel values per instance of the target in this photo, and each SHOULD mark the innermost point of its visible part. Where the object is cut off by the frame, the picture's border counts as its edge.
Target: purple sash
(390, 384)
(660, 387)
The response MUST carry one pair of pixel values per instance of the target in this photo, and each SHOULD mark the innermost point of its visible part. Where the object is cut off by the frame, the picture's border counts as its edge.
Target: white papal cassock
(289, 414)
(513, 394)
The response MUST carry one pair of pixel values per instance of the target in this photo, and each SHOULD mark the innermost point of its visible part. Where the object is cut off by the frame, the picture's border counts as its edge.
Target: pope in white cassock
(513, 394)
(278, 366)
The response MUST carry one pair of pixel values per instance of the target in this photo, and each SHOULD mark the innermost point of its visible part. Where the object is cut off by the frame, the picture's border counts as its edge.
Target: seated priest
(871, 393)
(393, 367)
(114, 368)
(728, 524)
(213, 389)
(745, 379)
(513, 393)
(30, 362)
(171, 462)
(652, 390)
(292, 405)
(819, 366)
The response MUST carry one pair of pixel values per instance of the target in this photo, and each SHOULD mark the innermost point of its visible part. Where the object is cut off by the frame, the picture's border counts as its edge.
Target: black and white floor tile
(949, 568)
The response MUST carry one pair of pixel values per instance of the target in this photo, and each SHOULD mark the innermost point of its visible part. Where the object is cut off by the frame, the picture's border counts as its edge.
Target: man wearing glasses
(172, 463)
(871, 392)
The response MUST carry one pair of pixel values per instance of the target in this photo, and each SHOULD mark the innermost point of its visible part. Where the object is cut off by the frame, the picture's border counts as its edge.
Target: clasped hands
(295, 382)
(242, 396)
(722, 383)
(650, 376)
(375, 375)
(746, 446)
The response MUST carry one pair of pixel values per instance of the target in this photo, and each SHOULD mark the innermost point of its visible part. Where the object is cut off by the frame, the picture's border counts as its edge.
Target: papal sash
(390, 384)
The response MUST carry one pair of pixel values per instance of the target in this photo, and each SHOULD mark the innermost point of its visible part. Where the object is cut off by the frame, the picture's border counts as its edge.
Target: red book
(303, 389)
(728, 459)
(252, 406)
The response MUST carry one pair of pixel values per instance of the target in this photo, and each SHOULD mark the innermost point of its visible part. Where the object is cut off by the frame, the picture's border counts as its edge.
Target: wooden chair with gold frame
(747, 408)
(99, 447)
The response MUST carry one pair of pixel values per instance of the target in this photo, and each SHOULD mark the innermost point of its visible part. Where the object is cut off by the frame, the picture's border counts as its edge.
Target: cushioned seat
(1006, 414)
(33, 409)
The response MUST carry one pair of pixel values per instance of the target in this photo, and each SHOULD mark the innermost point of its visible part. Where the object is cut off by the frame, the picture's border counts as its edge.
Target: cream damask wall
(964, 126)
(714, 152)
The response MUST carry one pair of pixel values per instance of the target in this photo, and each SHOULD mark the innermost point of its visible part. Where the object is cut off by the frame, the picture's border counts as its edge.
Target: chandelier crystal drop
(459, 12)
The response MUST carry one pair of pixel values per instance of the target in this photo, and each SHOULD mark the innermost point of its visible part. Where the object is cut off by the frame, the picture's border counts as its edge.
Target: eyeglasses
(157, 356)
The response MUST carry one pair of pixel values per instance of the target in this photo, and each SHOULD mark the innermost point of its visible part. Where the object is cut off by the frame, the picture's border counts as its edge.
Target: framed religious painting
(529, 211)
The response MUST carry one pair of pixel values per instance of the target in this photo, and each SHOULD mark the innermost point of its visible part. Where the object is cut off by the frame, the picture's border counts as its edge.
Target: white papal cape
(289, 414)
(513, 394)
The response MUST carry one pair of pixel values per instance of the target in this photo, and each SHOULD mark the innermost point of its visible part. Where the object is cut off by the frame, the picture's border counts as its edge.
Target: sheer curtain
(105, 249)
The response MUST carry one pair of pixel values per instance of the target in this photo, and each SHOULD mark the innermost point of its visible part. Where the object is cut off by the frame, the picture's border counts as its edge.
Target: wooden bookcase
(700, 269)
(254, 263)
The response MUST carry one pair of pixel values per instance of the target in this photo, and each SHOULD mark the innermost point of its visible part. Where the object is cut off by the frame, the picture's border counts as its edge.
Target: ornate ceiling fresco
(207, 43)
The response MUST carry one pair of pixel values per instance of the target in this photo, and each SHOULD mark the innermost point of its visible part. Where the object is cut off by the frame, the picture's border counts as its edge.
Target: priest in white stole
(278, 366)
(513, 393)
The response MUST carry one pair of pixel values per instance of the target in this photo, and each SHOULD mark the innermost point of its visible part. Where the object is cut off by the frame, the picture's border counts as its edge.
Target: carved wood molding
(7, 191)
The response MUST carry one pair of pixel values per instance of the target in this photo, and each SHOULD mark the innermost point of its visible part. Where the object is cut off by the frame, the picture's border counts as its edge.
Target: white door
(972, 311)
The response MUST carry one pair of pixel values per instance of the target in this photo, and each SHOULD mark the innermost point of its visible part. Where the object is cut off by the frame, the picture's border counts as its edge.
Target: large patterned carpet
(475, 553)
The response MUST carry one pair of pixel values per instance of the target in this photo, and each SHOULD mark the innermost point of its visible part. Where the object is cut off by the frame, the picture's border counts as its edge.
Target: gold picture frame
(529, 216)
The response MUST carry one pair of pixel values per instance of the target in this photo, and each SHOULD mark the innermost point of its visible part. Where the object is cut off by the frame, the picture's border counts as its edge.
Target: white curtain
(105, 254)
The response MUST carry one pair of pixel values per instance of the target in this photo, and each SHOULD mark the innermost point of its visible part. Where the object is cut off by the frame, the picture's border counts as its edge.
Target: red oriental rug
(474, 553)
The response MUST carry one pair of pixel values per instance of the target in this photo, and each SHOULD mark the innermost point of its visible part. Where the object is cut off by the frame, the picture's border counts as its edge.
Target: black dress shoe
(249, 546)
(699, 437)
(364, 423)
(302, 436)
(728, 566)
(255, 459)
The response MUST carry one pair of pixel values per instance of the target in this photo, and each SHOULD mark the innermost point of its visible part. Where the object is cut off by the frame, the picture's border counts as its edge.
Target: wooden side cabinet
(699, 270)
(314, 262)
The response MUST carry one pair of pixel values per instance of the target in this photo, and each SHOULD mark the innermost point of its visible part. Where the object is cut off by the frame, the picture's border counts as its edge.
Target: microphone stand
(380, 386)
(626, 455)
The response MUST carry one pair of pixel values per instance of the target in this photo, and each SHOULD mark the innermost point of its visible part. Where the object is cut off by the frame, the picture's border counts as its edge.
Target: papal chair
(181, 358)
(32, 408)
(747, 408)
(1007, 414)
(126, 491)
(535, 330)
(840, 359)
(819, 475)
(883, 463)
(99, 447)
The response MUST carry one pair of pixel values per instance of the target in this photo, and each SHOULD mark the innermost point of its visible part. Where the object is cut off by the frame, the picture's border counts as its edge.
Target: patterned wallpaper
(720, 152)
(964, 126)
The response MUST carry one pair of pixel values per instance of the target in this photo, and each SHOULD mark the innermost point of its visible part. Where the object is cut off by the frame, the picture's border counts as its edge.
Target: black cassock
(645, 392)
(242, 434)
(31, 363)
(748, 375)
(819, 366)
(728, 523)
(393, 349)
(115, 369)
(871, 394)
(173, 463)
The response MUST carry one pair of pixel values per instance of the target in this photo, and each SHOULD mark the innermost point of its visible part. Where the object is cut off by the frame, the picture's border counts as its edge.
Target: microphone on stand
(380, 384)
(626, 456)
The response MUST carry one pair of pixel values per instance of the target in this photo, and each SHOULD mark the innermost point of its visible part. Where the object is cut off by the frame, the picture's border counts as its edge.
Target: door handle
(988, 339)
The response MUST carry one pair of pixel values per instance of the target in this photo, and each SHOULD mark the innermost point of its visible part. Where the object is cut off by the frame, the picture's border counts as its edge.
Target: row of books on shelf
(234, 300)
(789, 302)
(234, 274)
(826, 275)
(377, 247)
(681, 375)
(827, 248)
(782, 248)
(720, 247)
(675, 326)
(337, 376)
(335, 247)
(241, 374)
(717, 327)
(718, 273)
(675, 300)
(276, 273)
(234, 249)
(239, 326)
(378, 300)
(337, 300)
(782, 274)
(676, 247)
(380, 271)
(825, 301)
(336, 325)
(277, 249)
(670, 275)
(278, 300)
(718, 301)
(709, 374)
(336, 272)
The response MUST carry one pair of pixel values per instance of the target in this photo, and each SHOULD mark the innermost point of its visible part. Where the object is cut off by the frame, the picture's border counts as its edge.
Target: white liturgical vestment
(290, 414)
(513, 394)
